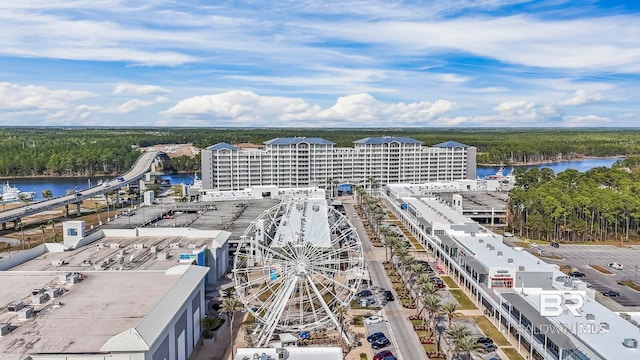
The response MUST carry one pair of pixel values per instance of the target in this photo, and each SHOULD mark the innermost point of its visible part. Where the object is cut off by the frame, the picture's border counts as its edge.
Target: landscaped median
(630, 284)
(449, 281)
(489, 330)
(512, 353)
(601, 269)
(462, 299)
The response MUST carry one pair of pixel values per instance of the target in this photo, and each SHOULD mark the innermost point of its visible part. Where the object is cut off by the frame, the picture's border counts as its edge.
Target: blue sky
(314, 63)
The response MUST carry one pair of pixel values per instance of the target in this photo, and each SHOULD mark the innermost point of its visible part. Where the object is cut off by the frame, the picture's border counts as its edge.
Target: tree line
(571, 206)
(70, 151)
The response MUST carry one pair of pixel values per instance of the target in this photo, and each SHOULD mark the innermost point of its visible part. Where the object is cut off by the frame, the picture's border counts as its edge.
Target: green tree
(229, 307)
(47, 194)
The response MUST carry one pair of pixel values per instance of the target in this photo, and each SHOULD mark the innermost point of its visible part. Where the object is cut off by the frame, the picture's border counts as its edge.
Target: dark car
(382, 355)
(364, 293)
(388, 295)
(488, 347)
(120, 179)
(375, 336)
(485, 340)
(610, 293)
(380, 343)
(577, 274)
(390, 357)
(555, 245)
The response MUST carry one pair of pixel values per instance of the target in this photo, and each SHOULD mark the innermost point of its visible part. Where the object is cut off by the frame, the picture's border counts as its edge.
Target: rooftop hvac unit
(510, 261)
(520, 268)
(25, 313)
(499, 253)
(64, 277)
(73, 279)
(53, 293)
(590, 317)
(114, 246)
(153, 249)
(192, 246)
(138, 246)
(58, 262)
(37, 291)
(86, 262)
(162, 256)
(174, 246)
(39, 299)
(15, 306)
(100, 245)
(4, 329)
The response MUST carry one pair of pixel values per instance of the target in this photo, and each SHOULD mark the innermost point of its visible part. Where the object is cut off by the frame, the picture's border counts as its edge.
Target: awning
(474, 264)
(533, 315)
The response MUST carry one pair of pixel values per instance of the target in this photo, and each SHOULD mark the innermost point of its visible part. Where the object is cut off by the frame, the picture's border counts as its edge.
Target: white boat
(13, 194)
(197, 182)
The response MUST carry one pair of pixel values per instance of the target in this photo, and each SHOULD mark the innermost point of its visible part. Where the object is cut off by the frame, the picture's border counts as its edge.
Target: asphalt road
(581, 256)
(404, 340)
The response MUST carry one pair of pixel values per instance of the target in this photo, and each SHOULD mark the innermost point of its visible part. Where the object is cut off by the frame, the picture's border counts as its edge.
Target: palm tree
(451, 310)
(432, 305)
(42, 227)
(47, 194)
(457, 332)
(229, 293)
(20, 226)
(53, 229)
(341, 311)
(3, 204)
(229, 307)
(467, 344)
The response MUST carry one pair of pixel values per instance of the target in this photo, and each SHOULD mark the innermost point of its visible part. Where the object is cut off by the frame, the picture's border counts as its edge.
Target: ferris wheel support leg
(274, 316)
(328, 311)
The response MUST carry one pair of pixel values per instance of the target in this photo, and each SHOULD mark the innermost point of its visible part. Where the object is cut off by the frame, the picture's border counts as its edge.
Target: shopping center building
(513, 285)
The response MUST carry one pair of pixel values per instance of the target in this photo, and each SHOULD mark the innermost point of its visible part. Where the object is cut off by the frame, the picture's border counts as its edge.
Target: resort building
(513, 286)
(303, 162)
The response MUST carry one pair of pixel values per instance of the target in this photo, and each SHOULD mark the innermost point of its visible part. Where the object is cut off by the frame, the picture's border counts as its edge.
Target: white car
(508, 234)
(373, 320)
(616, 266)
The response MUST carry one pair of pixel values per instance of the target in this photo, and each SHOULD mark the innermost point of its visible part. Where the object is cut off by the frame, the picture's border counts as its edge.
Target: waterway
(60, 185)
(580, 165)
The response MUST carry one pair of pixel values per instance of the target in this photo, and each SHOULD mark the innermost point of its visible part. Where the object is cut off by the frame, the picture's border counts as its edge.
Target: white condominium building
(302, 162)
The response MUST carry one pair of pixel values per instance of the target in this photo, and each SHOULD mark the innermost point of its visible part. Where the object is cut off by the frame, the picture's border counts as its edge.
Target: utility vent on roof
(521, 268)
(481, 241)
(510, 260)
(590, 317)
(499, 253)
(630, 343)
(488, 245)
(114, 246)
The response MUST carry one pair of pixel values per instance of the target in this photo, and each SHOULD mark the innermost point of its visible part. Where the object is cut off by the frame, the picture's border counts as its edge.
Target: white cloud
(132, 105)
(588, 120)
(581, 97)
(19, 97)
(359, 109)
(126, 88)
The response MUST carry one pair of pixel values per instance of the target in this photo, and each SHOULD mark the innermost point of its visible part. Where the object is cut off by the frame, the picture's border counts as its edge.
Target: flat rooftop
(304, 220)
(119, 253)
(95, 309)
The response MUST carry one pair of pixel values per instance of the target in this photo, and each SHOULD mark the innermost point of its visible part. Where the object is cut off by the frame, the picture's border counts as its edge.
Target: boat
(197, 182)
(13, 194)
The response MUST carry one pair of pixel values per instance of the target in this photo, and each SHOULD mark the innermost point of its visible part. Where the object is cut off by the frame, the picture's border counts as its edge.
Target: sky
(320, 63)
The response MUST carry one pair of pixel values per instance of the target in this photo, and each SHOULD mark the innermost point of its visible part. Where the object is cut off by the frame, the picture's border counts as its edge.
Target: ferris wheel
(296, 265)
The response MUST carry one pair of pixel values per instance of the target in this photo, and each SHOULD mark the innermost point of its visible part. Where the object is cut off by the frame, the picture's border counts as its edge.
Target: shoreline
(548, 162)
(3, 178)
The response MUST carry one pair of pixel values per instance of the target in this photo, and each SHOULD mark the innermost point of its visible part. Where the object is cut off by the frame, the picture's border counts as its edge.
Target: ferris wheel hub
(302, 269)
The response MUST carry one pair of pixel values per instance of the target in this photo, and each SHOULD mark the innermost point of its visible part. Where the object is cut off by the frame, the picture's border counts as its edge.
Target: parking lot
(581, 256)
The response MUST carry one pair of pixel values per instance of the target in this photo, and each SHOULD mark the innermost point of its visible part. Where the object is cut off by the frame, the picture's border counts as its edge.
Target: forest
(597, 205)
(71, 151)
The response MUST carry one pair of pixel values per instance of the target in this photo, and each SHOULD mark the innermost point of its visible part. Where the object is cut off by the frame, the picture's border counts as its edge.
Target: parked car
(381, 343)
(555, 245)
(373, 320)
(577, 274)
(488, 347)
(616, 266)
(375, 336)
(485, 340)
(364, 293)
(508, 234)
(365, 302)
(382, 355)
(390, 357)
(611, 293)
(388, 295)
(120, 179)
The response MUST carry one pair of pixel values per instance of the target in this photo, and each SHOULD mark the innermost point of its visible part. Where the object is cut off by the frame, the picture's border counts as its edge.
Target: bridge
(137, 171)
